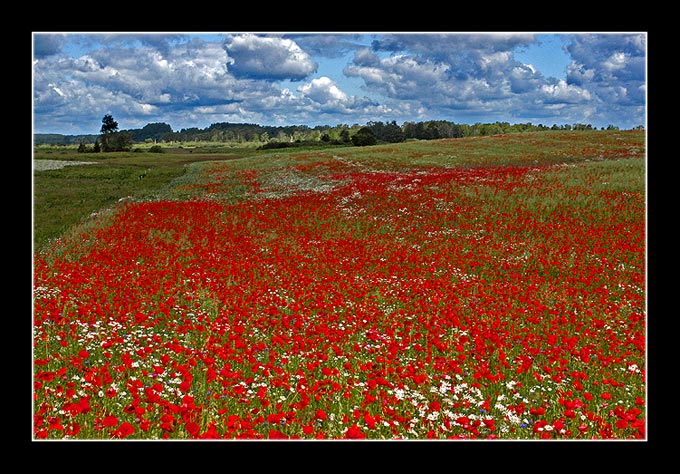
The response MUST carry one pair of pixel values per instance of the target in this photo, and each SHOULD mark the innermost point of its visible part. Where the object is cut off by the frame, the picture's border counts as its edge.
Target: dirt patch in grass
(47, 165)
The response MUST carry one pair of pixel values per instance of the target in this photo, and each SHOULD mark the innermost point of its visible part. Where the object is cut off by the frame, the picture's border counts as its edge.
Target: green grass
(66, 197)
(510, 149)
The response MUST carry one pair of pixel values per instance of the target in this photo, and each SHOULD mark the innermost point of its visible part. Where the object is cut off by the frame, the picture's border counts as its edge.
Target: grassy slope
(65, 198)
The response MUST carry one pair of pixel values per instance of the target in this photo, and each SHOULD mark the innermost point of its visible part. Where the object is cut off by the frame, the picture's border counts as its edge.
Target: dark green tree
(154, 131)
(392, 133)
(420, 132)
(108, 125)
(106, 137)
(122, 141)
(364, 137)
(111, 139)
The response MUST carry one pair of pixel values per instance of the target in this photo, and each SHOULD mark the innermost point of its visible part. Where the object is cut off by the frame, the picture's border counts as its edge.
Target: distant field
(478, 288)
(66, 197)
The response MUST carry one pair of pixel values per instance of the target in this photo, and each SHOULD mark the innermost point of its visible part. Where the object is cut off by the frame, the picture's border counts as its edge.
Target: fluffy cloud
(327, 45)
(267, 57)
(45, 45)
(139, 82)
(607, 62)
(523, 78)
(560, 92)
(322, 97)
(612, 69)
(401, 76)
(478, 75)
(323, 90)
(447, 46)
(190, 81)
(442, 79)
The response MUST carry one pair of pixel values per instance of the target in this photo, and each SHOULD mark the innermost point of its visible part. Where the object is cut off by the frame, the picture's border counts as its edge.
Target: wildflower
(110, 421)
(320, 415)
(124, 430)
(354, 432)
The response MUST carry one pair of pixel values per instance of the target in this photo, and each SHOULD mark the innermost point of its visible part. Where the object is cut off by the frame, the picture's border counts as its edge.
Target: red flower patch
(345, 297)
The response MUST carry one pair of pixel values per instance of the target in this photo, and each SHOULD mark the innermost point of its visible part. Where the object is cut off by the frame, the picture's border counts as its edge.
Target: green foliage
(111, 139)
(364, 137)
(108, 125)
(116, 141)
(151, 131)
(258, 135)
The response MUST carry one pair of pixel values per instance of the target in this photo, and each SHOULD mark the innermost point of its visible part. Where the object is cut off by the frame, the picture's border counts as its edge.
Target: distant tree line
(269, 136)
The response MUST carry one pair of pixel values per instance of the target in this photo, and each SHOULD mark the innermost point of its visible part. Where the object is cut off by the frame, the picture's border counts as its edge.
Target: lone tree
(110, 138)
(108, 125)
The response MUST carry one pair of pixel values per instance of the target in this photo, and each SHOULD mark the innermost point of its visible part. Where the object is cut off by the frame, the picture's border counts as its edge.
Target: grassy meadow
(477, 288)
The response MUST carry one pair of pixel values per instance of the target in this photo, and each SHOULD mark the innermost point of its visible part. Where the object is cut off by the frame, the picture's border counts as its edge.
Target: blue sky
(193, 80)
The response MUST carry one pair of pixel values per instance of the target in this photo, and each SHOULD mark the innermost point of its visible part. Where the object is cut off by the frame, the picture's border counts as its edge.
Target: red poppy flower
(110, 421)
(276, 434)
(55, 424)
(354, 432)
(124, 430)
(72, 429)
(84, 404)
(46, 376)
(370, 421)
(622, 424)
(192, 428)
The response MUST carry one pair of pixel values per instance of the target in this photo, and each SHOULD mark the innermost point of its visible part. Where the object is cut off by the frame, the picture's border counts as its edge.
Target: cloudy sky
(195, 79)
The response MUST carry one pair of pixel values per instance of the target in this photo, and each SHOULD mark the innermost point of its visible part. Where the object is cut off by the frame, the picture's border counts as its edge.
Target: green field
(67, 197)
(478, 288)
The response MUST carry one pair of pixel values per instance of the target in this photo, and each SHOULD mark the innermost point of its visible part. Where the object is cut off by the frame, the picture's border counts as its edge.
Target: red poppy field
(483, 288)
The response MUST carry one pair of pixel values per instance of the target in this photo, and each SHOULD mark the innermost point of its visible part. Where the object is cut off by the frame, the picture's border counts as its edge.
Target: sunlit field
(481, 288)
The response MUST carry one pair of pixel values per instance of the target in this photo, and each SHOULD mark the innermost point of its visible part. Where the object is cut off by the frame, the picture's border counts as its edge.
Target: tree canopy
(294, 135)
(111, 139)
(108, 125)
(364, 137)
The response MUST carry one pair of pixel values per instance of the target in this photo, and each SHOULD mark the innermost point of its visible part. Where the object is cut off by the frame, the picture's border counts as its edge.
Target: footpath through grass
(66, 197)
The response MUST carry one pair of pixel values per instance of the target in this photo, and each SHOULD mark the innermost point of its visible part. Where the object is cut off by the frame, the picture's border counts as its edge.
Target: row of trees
(389, 132)
(113, 139)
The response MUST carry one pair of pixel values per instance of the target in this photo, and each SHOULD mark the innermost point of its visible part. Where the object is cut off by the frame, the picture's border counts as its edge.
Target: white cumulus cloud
(267, 57)
(562, 92)
(322, 90)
